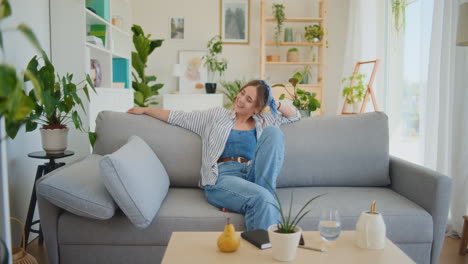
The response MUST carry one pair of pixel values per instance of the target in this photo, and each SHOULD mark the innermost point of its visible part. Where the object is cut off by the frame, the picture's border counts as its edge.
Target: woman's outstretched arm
(160, 114)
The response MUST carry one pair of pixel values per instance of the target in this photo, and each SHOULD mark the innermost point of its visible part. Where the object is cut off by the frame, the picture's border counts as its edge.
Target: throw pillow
(137, 180)
(79, 189)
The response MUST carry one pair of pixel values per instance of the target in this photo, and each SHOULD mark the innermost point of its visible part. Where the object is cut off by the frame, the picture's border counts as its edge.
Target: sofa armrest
(429, 189)
(49, 214)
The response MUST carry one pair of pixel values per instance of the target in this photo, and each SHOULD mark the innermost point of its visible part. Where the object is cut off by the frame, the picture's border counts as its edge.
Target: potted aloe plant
(56, 105)
(303, 100)
(213, 63)
(284, 236)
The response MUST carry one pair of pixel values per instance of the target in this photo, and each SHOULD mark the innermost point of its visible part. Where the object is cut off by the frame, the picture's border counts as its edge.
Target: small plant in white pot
(354, 92)
(284, 236)
(55, 106)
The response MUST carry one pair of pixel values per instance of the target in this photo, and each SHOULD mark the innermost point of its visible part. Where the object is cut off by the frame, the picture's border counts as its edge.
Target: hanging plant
(278, 13)
(399, 14)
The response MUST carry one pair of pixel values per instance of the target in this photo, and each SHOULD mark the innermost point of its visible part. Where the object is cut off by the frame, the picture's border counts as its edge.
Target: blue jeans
(243, 187)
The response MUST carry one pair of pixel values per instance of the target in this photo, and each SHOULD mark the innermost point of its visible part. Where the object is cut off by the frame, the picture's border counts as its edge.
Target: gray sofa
(346, 157)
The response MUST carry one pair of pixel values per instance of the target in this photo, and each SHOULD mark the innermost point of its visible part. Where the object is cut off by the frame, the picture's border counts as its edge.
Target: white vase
(54, 141)
(284, 246)
(370, 231)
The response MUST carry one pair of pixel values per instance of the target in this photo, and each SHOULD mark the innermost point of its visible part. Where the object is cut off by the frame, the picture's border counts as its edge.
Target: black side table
(41, 171)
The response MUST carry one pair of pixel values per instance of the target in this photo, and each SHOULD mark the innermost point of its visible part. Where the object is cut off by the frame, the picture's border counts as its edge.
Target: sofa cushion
(186, 209)
(79, 189)
(178, 149)
(349, 150)
(136, 179)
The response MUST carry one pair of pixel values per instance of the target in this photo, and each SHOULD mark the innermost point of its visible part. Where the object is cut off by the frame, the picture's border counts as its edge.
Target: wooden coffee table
(200, 247)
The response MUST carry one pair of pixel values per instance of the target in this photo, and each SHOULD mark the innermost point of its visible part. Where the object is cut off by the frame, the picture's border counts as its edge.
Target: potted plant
(213, 63)
(284, 236)
(354, 91)
(293, 55)
(144, 46)
(399, 14)
(313, 33)
(279, 15)
(56, 105)
(231, 89)
(304, 101)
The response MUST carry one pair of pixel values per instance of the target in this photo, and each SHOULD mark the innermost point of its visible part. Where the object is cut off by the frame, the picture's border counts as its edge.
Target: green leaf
(76, 120)
(92, 138)
(36, 85)
(156, 87)
(150, 78)
(30, 126)
(8, 80)
(138, 99)
(138, 64)
(282, 96)
(90, 82)
(85, 89)
(5, 9)
(155, 44)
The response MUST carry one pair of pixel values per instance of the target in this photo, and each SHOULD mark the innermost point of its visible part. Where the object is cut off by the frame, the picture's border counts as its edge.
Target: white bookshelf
(70, 52)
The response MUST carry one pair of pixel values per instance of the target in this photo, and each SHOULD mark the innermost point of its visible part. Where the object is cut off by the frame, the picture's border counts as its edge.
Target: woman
(242, 152)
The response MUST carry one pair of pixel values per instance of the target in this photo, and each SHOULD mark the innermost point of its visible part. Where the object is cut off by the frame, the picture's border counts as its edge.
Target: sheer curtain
(445, 110)
(365, 41)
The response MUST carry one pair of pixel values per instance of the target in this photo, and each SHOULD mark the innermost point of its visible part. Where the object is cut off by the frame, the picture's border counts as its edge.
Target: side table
(41, 171)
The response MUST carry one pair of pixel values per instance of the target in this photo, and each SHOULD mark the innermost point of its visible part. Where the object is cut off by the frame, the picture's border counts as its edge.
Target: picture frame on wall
(176, 28)
(235, 21)
(194, 72)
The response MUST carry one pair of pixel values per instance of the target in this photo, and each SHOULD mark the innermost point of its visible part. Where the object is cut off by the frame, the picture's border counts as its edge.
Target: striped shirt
(214, 126)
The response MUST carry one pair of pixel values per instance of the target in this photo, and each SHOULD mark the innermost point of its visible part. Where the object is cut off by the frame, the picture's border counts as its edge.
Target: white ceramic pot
(284, 245)
(370, 231)
(54, 141)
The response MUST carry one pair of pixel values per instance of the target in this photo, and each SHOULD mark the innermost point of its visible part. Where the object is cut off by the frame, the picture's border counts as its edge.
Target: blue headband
(271, 99)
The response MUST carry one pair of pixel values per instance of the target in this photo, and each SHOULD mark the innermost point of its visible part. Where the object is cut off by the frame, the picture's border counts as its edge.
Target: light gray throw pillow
(137, 180)
(79, 189)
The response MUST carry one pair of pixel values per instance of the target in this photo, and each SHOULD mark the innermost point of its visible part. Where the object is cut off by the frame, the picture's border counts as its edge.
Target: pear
(229, 240)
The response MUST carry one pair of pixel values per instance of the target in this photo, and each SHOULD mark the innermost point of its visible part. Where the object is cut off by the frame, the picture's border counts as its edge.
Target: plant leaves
(5, 9)
(92, 136)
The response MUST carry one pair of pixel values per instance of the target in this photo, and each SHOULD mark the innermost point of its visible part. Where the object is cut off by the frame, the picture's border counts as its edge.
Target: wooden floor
(449, 252)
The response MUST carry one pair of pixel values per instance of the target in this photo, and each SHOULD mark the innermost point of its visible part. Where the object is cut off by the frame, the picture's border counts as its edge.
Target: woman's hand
(136, 110)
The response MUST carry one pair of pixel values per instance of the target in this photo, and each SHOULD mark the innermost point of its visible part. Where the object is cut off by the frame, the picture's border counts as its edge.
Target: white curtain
(445, 108)
(365, 41)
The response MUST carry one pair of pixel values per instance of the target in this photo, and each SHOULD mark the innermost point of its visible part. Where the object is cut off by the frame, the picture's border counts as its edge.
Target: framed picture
(235, 21)
(177, 27)
(194, 73)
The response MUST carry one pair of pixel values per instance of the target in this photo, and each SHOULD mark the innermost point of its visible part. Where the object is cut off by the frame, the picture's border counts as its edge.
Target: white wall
(202, 22)
(21, 169)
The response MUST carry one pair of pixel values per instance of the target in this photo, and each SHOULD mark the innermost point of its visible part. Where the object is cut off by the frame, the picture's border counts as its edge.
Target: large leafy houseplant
(143, 84)
(301, 99)
(57, 104)
(212, 62)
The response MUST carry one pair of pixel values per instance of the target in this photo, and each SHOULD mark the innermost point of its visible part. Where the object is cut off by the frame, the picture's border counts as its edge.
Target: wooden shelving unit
(318, 82)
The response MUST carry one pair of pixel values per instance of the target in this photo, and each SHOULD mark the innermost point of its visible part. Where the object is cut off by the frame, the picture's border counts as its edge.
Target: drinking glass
(330, 224)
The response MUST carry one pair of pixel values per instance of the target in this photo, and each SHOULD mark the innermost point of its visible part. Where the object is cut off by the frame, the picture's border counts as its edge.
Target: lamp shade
(177, 70)
(462, 30)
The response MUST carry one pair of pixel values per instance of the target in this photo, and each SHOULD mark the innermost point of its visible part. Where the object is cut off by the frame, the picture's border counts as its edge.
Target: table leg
(464, 238)
(32, 204)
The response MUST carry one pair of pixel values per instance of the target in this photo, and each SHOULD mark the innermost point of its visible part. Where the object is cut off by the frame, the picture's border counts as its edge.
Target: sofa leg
(464, 238)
